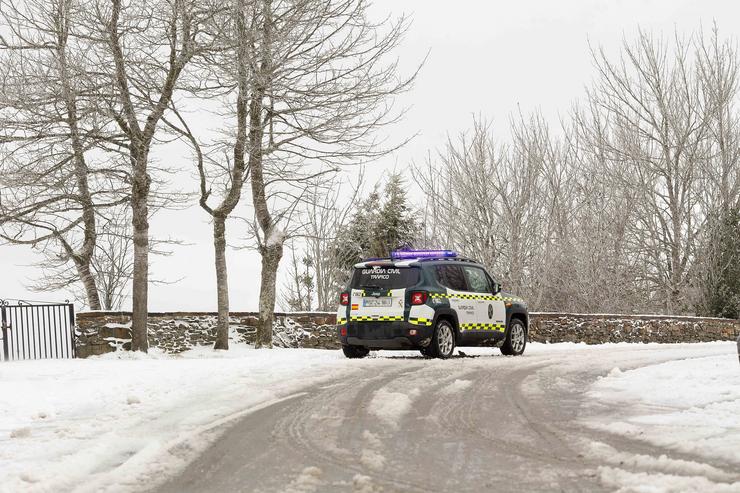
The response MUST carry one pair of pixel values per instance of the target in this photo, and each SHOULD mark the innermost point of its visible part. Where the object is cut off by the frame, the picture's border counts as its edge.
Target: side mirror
(496, 288)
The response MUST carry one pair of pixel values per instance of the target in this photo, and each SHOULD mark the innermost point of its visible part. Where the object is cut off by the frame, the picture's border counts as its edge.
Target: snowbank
(690, 406)
(112, 422)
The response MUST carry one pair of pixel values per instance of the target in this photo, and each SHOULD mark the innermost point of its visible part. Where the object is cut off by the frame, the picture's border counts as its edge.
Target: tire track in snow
(516, 427)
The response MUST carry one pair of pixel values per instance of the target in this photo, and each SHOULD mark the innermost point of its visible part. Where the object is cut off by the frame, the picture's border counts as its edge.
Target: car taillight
(344, 299)
(418, 297)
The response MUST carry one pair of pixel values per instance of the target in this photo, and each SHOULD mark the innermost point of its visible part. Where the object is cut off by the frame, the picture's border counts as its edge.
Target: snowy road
(548, 421)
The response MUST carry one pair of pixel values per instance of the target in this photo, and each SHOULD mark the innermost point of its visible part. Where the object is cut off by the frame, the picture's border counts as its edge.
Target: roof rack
(420, 259)
(458, 259)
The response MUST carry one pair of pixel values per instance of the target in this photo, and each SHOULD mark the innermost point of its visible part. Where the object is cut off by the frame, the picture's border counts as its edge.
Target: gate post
(3, 325)
(73, 335)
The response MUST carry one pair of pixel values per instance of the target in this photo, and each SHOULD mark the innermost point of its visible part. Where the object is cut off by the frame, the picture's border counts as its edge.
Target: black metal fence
(36, 330)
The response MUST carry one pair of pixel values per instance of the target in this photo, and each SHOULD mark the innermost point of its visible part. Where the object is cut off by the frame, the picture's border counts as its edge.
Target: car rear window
(385, 277)
(451, 276)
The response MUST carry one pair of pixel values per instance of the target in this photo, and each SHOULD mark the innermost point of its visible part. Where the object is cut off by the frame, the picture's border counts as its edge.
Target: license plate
(377, 302)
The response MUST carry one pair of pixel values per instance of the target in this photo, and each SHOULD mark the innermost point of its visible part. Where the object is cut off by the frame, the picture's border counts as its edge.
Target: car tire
(443, 341)
(355, 352)
(516, 338)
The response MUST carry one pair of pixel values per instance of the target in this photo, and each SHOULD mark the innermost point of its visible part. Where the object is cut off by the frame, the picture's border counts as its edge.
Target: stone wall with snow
(102, 332)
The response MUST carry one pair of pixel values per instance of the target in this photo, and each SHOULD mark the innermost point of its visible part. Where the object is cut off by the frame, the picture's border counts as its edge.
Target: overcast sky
(491, 58)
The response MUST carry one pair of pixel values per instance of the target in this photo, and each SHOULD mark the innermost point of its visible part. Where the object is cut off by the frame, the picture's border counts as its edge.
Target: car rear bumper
(387, 335)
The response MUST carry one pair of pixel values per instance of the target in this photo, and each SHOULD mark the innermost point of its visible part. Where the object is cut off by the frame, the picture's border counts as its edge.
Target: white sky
(486, 57)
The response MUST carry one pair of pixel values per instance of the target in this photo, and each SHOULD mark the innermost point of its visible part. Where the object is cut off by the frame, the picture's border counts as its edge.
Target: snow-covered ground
(113, 421)
(117, 422)
(690, 406)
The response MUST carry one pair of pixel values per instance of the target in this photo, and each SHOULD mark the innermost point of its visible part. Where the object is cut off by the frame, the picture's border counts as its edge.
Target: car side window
(477, 280)
(451, 276)
(493, 284)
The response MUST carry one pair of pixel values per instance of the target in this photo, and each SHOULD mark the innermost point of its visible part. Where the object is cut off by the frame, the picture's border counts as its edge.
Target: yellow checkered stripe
(341, 321)
(376, 318)
(420, 321)
(462, 296)
(498, 327)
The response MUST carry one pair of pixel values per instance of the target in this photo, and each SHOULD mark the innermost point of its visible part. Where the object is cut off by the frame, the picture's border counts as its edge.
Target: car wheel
(516, 338)
(355, 351)
(443, 342)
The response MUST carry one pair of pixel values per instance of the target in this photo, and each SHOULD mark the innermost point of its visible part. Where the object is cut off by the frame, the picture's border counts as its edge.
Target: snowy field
(111, 422)
(116, 422)
(688, 406)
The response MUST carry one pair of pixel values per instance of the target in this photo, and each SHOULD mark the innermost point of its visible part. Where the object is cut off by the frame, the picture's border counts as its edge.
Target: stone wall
(102, 332)
(598, 329)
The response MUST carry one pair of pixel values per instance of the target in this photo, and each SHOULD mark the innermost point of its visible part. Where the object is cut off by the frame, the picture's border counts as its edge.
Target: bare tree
(717, 68)
(142, 50)
(227, 71)
(589, 264)
(59, 177)
(535, 211)
(111, 264)
(456, 187)
(113, 261)
(298, 291)
(610, 212)
(483, 198)
(326, 212)
(321, 87)
(651, 100)
(327, 216)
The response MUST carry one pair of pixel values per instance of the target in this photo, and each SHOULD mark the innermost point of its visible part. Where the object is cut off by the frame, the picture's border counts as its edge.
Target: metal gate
(36, 331)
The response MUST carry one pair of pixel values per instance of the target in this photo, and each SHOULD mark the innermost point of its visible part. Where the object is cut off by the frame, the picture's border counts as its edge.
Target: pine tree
(396, 227)
(721, 278)
(381, 223)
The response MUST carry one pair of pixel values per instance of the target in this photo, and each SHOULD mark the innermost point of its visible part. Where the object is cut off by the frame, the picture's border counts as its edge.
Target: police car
(430, 300)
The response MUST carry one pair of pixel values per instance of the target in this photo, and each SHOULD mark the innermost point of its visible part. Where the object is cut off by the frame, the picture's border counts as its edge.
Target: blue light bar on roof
(410, 254)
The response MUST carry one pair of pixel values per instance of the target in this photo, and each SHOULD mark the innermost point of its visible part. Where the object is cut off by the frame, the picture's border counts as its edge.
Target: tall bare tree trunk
(222, 282)
(82, 258)
(88, 282)
(272, 250)
(140, 221)
(271, 255)
(181, 28)
(235, 182)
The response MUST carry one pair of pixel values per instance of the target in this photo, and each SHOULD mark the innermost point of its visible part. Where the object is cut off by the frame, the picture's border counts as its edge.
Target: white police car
(431, 300)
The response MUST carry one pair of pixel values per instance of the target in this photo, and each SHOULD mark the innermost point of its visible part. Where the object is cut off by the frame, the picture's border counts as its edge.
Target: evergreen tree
(352, 243)
(381, 223)
(395, 227)
(721, 278)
